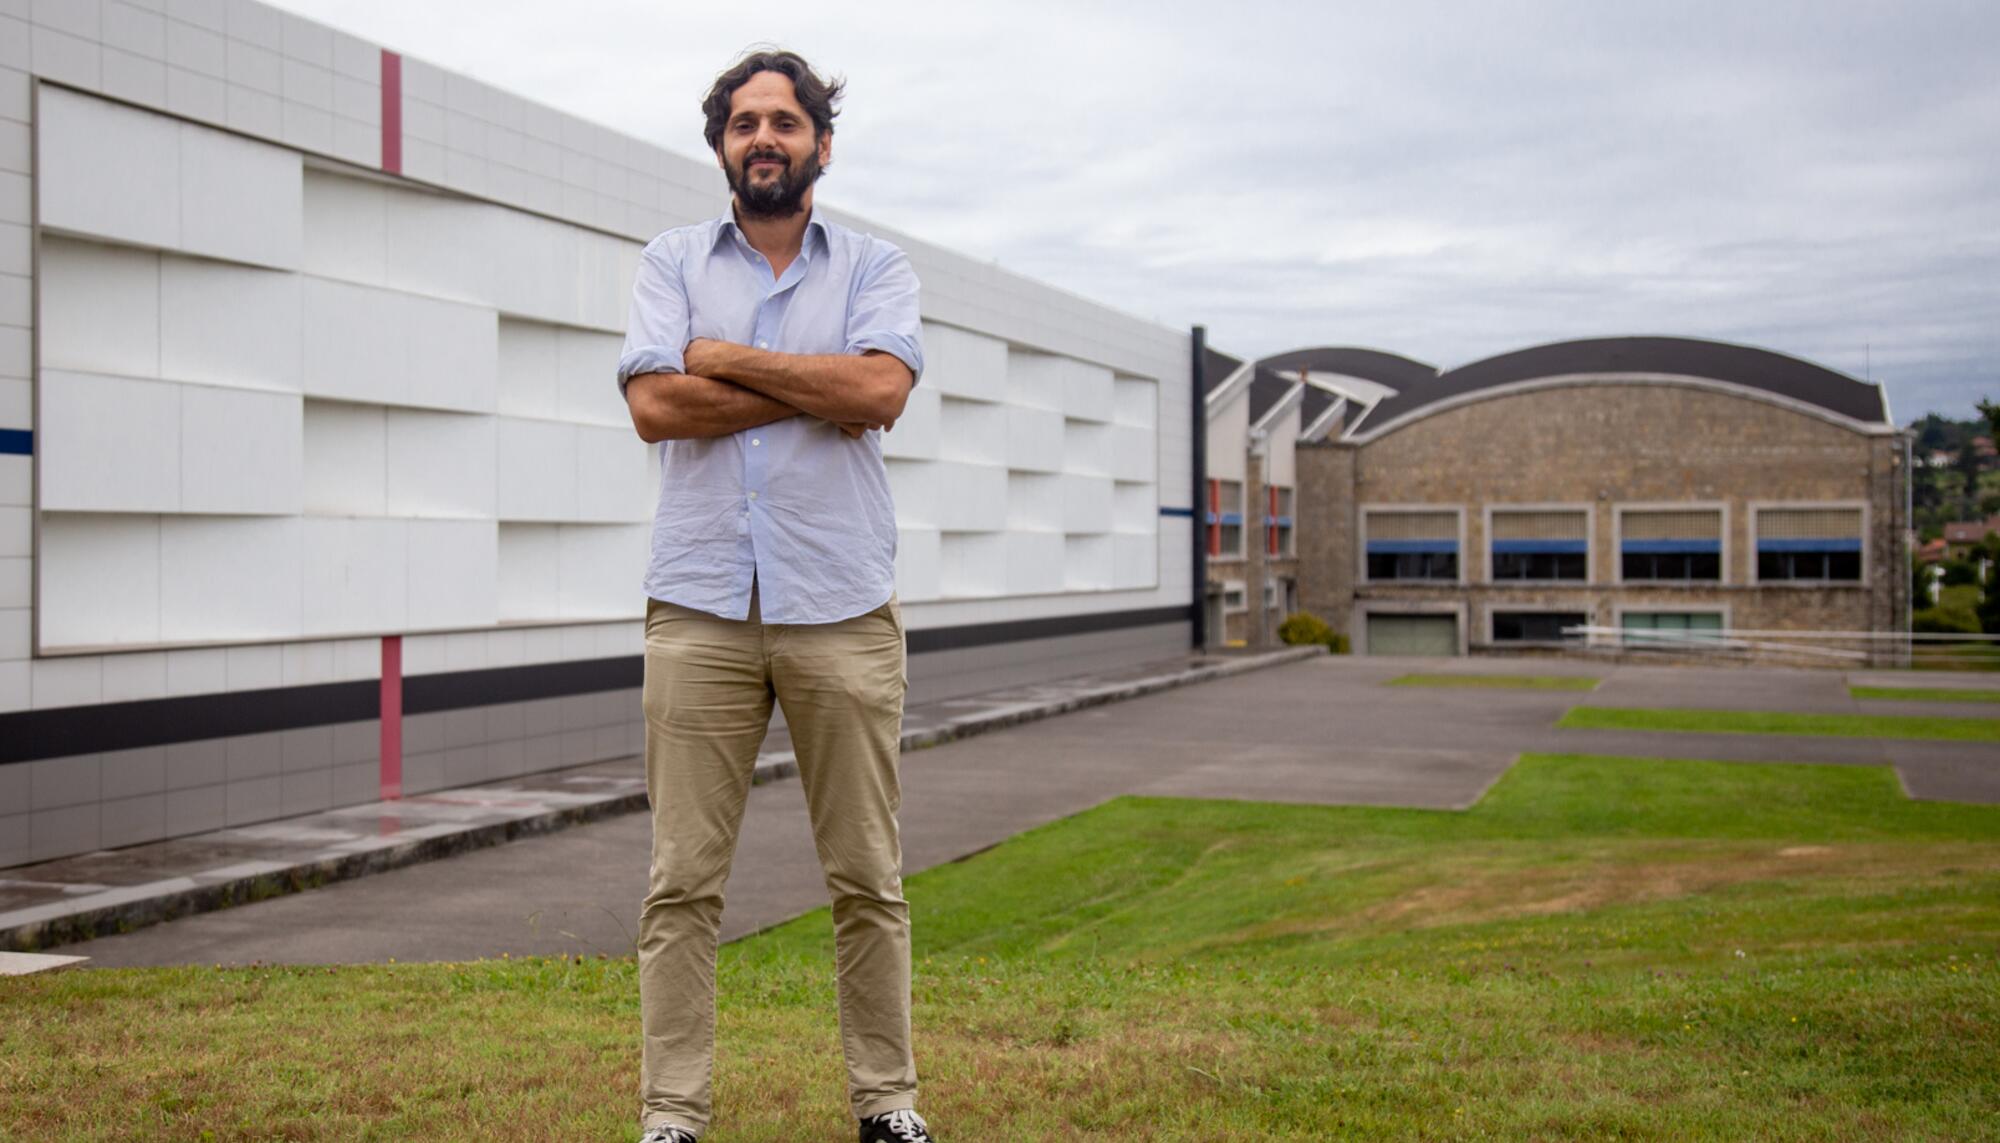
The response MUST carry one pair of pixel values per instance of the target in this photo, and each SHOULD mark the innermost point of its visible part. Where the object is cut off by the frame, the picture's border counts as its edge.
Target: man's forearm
(684, 406)
(847, 388)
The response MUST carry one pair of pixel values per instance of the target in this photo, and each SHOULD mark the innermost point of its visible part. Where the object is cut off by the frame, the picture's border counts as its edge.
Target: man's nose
(765, 139)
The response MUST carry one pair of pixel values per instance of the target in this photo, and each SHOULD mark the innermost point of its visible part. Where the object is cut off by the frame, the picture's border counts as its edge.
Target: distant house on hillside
(1961, 536)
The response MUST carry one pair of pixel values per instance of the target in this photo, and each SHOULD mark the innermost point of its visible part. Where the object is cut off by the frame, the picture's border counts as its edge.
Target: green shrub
(1303, 628)
(1945, 621)
(1958, 572)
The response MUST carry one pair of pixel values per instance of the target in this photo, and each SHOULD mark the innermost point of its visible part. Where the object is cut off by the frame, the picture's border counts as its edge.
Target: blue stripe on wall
(1187, 512)
(1541, 547)
(17, 442)
(1809, 545)
(1672, 547)
(1412, 547)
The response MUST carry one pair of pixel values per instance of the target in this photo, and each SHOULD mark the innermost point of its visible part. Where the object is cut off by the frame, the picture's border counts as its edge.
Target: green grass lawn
(1927, 694)
(1503, 682)
(1780, 722)
(1601, 948)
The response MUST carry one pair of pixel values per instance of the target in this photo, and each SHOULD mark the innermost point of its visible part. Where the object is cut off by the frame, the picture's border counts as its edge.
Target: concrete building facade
(315, 483)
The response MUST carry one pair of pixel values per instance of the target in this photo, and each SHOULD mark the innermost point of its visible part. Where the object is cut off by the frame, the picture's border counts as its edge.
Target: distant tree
(1989, 505)
(1920, 583)
(1930, 434)
(1990, 410)
(1968, 471)
(1960, 572)
(1989, 599)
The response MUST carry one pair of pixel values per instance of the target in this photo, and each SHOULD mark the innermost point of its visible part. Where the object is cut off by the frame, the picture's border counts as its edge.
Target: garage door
(1413, 635)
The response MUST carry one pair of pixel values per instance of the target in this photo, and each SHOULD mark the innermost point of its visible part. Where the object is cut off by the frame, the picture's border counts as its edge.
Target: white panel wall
(100, 580)
(224, 578)
(396, 296)
(535, 471)
(109, 444)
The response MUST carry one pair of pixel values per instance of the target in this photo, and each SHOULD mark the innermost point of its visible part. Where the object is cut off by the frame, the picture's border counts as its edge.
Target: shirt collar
(728, 228)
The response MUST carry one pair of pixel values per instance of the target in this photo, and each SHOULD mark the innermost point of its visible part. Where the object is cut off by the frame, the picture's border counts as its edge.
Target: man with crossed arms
(769, 349)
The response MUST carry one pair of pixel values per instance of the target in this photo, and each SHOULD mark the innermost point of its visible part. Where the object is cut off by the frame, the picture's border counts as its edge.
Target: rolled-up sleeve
(656, 331)
(884, 314)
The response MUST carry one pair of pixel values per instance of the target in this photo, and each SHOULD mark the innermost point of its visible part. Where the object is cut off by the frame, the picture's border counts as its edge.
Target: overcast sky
(1441, 180)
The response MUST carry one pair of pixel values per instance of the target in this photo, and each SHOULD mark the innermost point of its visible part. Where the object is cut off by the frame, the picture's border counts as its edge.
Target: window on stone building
(1225, 519)
(1809, 544)
(1540, 545)
(1411, 544)
(1235, 598)
(1670, 544)
(1670, 628)
(1536, 626)
(1278, 524)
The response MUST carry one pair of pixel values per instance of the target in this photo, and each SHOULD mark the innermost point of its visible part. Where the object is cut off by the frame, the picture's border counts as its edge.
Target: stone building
(1664, 487)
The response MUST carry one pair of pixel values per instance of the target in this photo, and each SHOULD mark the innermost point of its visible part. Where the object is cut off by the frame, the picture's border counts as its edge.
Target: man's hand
(703, 357)
(856, 429)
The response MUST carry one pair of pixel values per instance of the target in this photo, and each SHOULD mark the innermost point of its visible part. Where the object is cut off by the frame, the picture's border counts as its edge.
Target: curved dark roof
(1216, 366)
(1267, 388)
(1368, 364)
(1744, 365)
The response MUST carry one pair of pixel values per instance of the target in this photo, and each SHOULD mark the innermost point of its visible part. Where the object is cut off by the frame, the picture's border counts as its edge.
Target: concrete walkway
(1319, 731)
(69, 899)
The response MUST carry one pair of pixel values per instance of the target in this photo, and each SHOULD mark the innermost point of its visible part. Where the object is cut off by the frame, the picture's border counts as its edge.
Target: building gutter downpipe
(1198, 492)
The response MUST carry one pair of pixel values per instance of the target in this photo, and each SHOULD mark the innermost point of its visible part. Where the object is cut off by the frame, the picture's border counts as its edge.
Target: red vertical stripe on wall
(392, 112)
(1272, 528)
(392, 716)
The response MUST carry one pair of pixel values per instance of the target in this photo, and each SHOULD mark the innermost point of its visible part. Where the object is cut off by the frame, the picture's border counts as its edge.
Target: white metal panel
(1087, 391)
(345, 459)
(241, 451)
(100, 308)
(528, 366)
(229, 325)
(354, 575)
(960, 363)
(107, 169)
(1135, 401)
(439, 464)
(1034, 502)
(919, 565)
(1087, 448)
(600, 569)
(345, 228)
(1134, 508)
(587, 379)
(1134, 560)
(1086, 504)
(1034, 439)
(240, 200)
(535, 476)
(453, 573)
(109, 444)
(973, 431)
(611, 483)
(1034, 562)
(913, 486)
(973, 497)
(915, 436)
(973, 564)
(100, 580)
(229, 578)
(1088, 563)
(530, 571)
(1132, 452)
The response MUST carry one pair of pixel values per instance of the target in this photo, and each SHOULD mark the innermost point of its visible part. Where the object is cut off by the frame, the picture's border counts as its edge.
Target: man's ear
(825, 145)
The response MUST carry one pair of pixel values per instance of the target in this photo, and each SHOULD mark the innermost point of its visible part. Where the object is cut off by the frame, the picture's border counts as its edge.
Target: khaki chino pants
(709, 687)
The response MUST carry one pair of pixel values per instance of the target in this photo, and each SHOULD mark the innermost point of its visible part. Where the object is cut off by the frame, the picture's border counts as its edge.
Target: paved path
(1321, 731)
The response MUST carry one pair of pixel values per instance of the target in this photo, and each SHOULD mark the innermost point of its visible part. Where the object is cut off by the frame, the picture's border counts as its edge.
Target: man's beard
(780, 197)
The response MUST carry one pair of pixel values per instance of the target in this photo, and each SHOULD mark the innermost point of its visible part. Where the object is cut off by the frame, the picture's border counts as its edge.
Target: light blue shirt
(796, 506)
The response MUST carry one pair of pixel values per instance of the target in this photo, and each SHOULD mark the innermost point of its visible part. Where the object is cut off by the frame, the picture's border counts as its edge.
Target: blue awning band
(1541, 547)
(17, 442)
(1413, 547)
(1226, 518)
(1809, 545)
(1672, 547)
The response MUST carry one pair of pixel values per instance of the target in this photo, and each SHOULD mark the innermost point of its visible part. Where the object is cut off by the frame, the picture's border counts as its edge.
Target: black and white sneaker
(896, 1127)
(667, 1133)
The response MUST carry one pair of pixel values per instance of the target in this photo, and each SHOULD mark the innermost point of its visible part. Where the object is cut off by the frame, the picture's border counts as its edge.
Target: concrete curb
(151, 904)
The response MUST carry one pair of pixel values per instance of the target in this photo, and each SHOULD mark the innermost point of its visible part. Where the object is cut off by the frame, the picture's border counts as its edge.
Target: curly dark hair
(817, 94)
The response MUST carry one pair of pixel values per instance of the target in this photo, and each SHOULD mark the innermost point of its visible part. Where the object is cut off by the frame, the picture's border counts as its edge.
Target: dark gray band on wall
(55, 733)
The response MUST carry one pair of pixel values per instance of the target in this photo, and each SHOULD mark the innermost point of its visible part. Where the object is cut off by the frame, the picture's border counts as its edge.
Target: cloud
(1444, 180)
